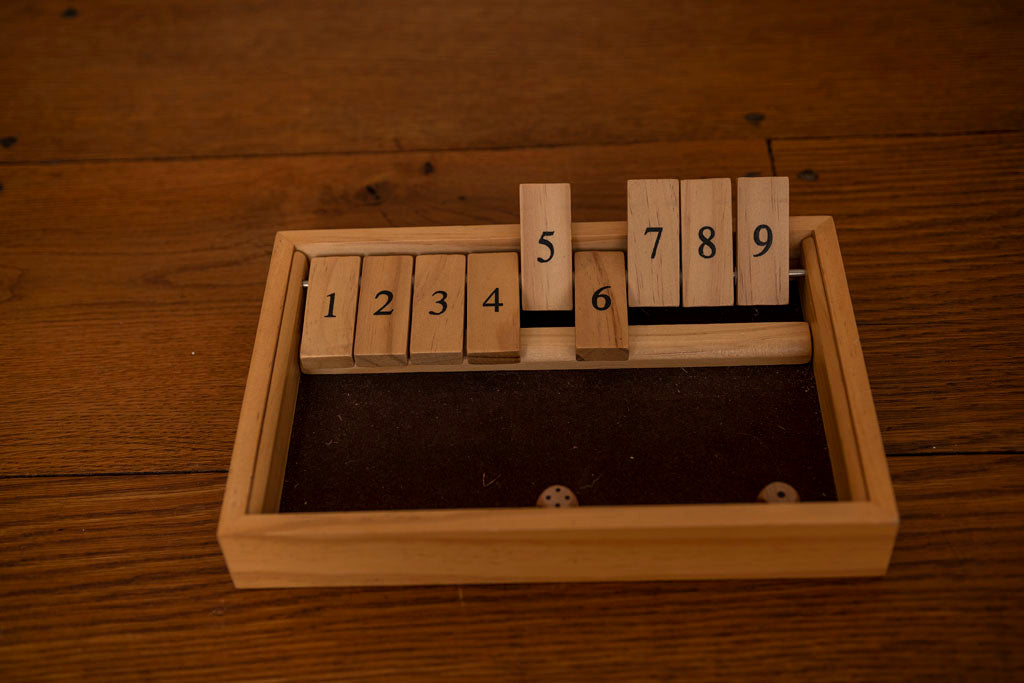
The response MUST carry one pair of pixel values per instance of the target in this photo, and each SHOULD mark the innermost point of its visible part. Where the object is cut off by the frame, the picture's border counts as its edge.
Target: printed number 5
(551, 248)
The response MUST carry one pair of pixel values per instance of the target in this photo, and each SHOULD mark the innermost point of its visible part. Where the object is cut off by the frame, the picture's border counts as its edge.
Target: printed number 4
(496, 304)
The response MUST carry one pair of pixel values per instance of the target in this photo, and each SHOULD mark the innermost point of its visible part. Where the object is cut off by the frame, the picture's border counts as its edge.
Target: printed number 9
(765, 242)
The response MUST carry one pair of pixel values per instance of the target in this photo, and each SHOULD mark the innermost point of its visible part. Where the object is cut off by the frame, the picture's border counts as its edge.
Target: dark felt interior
(497, 439)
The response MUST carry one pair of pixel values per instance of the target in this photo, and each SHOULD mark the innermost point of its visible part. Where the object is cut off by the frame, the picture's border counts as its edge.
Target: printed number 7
(657, 240)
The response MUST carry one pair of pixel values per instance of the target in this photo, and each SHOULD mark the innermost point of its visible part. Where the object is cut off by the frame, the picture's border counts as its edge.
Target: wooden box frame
(263, 548)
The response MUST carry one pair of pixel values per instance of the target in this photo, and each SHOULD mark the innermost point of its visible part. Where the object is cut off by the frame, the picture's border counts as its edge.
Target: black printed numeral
(388, 298)
(330, 306)
(657, 239)
(442, 302)
(551, 248)
(600, 300)
(493, 300)
(760, 241)
(707, 247)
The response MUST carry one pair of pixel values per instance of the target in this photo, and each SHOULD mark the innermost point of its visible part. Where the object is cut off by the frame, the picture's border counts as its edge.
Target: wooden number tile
(602, 329)
(330, 316)
(438, 309)
(492, 308)
(545, 220)
(382, 319)
(707, 242)
(653, 242)
(762, 241)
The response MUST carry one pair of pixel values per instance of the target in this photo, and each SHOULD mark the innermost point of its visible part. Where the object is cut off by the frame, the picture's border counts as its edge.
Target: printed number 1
(657, 239)
(330, 307)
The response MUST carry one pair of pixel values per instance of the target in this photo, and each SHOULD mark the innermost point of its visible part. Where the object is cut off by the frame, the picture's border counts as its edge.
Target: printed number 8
(706, 234)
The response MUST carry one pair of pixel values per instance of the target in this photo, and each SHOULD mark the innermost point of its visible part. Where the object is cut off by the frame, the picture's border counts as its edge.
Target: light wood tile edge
(650, 346)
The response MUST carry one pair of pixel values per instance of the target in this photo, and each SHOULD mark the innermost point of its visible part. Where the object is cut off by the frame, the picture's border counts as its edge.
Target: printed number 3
(443, 302)
(551, 248)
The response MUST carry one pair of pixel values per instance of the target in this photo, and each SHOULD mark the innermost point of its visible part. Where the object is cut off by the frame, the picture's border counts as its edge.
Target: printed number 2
(551, 248)
(496, 304)
(657, 239)
(389, 297)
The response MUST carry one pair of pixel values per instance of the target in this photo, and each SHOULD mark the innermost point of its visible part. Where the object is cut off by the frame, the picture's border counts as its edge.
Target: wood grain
(652, 215)
(545, 214)
(438, 309)
(242, 77)
(708, 264)
(329, 320)
(129, 294)
(762, 226)
(934, 250)
(102, 265)
(492, 308)
(123, 576)
(382, 316)
(602, 328)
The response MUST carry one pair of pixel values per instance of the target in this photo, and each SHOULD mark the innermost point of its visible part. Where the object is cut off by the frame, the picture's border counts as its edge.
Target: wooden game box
(850, 534)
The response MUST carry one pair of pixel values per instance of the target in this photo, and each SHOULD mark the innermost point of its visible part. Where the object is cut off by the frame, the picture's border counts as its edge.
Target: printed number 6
(551, 248)
(600, 300)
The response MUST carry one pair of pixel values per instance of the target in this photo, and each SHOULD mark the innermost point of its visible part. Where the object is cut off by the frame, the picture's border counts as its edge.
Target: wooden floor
(149, 152)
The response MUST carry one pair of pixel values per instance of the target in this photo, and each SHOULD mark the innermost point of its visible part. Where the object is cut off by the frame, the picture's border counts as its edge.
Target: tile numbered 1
(329, 320)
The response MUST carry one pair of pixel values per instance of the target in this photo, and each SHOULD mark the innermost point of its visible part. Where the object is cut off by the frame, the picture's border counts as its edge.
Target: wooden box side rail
(850, 538)
(590, 543)
(650, 346)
